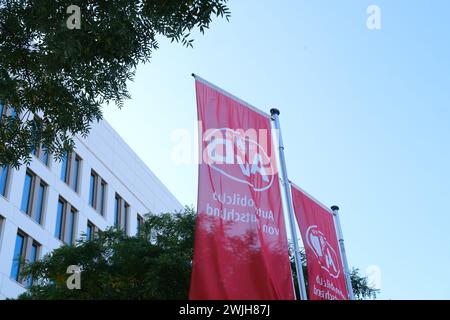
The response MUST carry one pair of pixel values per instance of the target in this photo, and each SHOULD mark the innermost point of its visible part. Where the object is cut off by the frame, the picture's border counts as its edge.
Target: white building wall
(114, 161)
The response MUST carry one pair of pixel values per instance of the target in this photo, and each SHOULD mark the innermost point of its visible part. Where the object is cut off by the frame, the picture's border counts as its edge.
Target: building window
(42, 154)
(70, 170)
(26, 250)
(66, 217)
(33, 196)
(59, 220)
(76, 169)
(6, 112)
(2, 222)
(116, 210)
(26, 194)
(33, 258)
(40, 151)
(140, 222)
(18, 256)
(91, 231)
(70, 225)
(121, 209)
(40, 202)
(102, 197)
(92, 188)
(64, 166)
(4, 180)
(97, 192)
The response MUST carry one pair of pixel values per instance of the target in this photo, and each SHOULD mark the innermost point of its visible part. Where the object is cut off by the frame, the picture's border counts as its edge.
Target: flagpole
(340, 236)
(285, 181)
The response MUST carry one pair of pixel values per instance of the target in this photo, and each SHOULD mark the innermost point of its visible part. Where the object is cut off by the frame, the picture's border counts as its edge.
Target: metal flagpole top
(274, 111)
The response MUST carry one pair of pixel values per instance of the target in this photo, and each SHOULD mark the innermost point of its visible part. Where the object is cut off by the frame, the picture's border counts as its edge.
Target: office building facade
(49, 203)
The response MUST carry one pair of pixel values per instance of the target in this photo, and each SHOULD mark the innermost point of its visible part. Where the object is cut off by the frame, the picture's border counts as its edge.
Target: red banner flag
(240, 249)
(326, 277)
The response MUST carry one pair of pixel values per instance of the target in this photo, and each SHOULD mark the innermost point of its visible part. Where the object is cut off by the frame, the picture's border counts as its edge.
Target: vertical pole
(287, 190)
(340, 236)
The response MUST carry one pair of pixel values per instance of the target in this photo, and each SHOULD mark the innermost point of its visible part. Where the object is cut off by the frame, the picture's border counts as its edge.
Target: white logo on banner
(324, 252)
(227, 147)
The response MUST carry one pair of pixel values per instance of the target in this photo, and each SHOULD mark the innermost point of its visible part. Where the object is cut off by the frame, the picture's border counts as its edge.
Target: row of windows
(27, 250)
(33, 204)
(34, 194)
(33, 198)
(69, 171)
(70, 174)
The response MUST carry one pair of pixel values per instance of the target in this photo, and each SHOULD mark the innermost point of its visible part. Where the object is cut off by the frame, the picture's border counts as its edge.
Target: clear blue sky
(365, 117)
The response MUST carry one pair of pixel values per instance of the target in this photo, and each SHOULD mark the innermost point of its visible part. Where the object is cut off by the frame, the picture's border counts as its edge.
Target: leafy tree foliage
(58, 78)
(154, 265)
(361, 288)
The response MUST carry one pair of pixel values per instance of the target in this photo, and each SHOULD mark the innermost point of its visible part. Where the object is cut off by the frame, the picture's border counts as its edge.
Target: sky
(365, 117)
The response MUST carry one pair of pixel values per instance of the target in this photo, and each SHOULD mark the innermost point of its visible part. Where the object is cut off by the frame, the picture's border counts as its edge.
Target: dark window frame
(67, 209)
(121, 213)
(33, 197)
(94, 230)
(97, 192)
(69, 178)
(140, 222)
(40, 153)
(25, 256)
(6, 112)
(2, 225)
(5, 191)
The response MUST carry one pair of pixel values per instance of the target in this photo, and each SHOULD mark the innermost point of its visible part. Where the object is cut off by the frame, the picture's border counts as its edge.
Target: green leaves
(155, 265)
(361, 288)
(64, 76)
